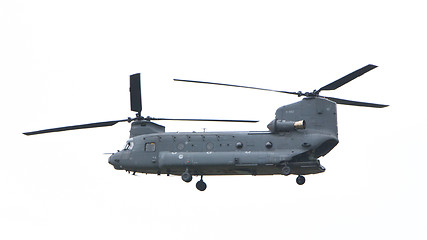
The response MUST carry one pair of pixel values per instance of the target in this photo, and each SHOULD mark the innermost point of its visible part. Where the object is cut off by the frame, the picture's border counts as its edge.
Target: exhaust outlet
(299, 124)
(276, 125)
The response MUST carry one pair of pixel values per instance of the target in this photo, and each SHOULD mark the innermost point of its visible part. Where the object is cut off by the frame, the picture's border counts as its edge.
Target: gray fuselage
(151, 150)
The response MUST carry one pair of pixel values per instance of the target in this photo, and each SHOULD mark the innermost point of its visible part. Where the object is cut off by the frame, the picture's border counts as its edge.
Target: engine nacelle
(277, 125)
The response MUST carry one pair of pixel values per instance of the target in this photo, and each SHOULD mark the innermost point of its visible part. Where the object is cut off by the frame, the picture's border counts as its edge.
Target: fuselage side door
(151, 151)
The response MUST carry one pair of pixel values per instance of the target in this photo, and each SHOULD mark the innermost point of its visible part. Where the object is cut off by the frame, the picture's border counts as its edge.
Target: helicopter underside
(297, 168)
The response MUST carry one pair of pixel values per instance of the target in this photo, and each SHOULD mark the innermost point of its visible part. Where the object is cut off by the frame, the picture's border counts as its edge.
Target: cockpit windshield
(129, 145)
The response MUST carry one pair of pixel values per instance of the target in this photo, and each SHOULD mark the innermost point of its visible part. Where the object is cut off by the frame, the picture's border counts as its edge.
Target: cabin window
(180, 146)
(209, 146)
(150, 147)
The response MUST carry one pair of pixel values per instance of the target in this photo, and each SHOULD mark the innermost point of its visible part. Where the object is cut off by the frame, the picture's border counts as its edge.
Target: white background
(68, 62)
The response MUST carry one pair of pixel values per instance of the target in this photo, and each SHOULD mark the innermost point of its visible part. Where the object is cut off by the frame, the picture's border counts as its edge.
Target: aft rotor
(316, 93)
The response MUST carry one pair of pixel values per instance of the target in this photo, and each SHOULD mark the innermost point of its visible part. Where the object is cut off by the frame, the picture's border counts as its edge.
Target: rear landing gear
(300, 180)
(200, 185)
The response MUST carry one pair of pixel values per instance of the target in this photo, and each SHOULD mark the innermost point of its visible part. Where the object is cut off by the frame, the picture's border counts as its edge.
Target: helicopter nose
(114, 160)
(110, 159)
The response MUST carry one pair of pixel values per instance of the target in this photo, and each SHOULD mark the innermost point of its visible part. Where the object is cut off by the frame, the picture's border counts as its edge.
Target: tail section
(319, 114)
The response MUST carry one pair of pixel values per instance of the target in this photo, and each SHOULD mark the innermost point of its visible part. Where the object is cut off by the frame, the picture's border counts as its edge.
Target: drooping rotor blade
(338, 83)
(135, 93)
(203, 120)
(239, 86)
(354, 103)
(75, 127)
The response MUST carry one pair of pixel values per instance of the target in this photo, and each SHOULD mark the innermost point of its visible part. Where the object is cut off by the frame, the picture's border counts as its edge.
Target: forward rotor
(136, 106)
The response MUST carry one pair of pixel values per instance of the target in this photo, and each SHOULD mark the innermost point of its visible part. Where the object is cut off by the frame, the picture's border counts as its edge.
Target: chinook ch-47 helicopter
(297, 137)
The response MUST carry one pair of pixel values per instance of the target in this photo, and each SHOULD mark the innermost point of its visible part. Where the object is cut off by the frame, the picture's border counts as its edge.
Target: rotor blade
(354, 103)
(135, 93)
(204, 120)
(338, 83)
(231, 85)
(75, 127)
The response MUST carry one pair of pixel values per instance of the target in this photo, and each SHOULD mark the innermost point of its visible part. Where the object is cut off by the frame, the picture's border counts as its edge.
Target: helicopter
(297, 137)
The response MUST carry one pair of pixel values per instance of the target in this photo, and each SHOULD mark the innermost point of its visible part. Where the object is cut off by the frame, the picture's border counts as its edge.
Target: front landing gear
(200, 185)
(300, 180)
(286, 170)
(186, 176)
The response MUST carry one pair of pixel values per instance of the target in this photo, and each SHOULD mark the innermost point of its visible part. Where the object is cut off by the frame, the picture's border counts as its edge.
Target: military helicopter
(297, 137)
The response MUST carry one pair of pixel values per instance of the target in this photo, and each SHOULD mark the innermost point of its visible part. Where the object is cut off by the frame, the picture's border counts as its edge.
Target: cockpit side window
(150, 147)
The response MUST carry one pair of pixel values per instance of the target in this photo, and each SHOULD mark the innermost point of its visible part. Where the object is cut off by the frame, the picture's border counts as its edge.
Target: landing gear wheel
(286, 170)
(201, 186)
(186, 177)
(300, 180)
